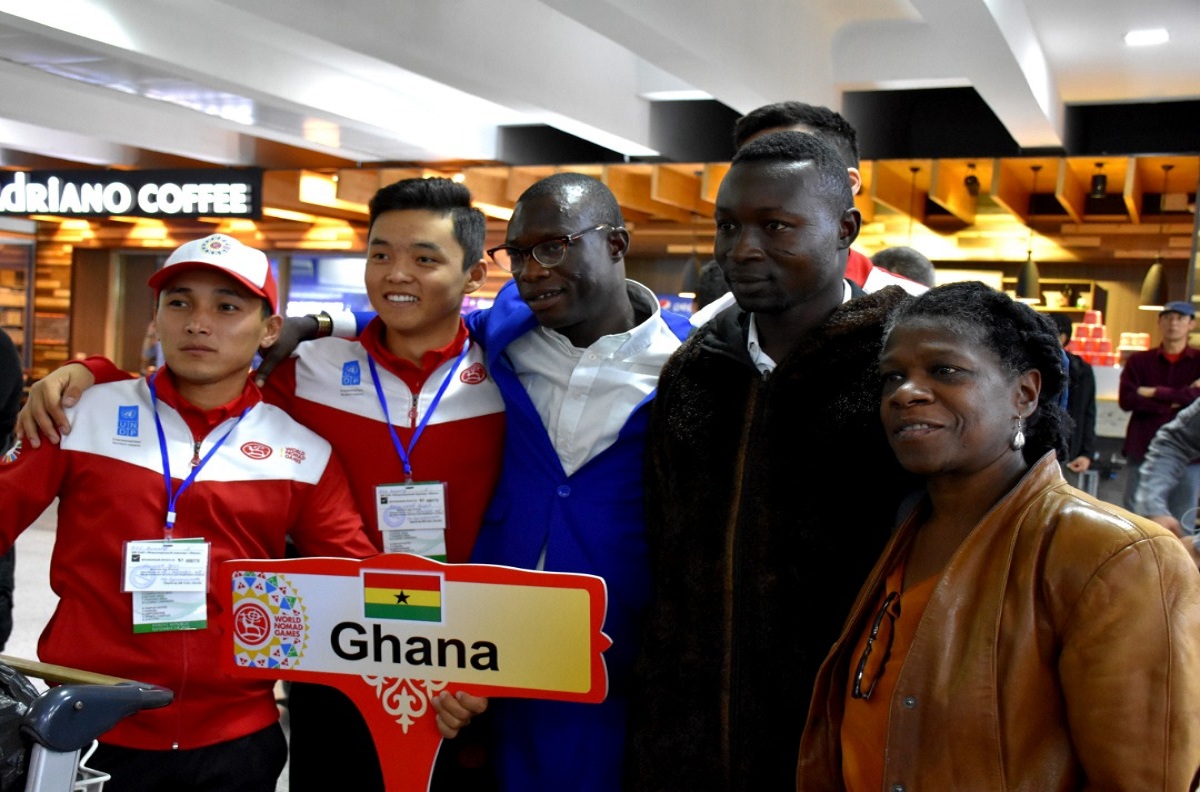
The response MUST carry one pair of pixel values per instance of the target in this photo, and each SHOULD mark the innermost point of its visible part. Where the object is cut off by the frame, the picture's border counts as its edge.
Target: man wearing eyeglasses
(576, 350)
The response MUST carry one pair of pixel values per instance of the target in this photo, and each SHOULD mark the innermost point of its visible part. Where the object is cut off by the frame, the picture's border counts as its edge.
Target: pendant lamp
(1154, 286)
(1099, 182)
(1029, 287)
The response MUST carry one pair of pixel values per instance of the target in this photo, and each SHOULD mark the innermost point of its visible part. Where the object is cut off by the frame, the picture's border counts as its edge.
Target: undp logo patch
(127, 420)
(351, 373)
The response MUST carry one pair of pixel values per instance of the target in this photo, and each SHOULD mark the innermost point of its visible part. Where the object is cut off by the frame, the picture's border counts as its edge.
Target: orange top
(865, 723)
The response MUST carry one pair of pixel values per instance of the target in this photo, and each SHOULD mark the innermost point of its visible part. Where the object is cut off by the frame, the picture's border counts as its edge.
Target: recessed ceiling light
(1147, 38)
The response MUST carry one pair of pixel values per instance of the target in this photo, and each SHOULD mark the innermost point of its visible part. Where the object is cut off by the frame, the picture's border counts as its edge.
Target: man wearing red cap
(189, 468)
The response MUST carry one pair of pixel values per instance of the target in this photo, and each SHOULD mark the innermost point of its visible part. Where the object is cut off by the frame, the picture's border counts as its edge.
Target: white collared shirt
(758, 356)
(585, 396)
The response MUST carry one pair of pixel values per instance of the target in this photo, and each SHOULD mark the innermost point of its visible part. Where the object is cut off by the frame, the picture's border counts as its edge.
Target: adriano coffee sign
(164, 194)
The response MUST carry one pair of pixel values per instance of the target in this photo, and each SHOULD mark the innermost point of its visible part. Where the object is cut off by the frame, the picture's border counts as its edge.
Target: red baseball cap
(246, 265)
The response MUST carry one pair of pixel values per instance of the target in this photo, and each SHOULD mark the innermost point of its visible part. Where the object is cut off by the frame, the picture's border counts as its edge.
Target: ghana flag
(410, 596)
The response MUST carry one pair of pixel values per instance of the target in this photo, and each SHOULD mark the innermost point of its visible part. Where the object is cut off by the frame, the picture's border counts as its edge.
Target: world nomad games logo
(270, 626)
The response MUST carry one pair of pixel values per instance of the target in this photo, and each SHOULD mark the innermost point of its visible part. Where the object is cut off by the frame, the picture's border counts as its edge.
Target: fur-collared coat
(769, 500)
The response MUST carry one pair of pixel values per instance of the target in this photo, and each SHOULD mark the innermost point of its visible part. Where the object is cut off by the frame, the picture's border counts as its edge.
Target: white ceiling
(137, 82)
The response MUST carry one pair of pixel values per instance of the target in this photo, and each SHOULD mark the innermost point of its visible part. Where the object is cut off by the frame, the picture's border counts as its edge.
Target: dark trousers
(331, 748)
(248, 764)
(8, 563)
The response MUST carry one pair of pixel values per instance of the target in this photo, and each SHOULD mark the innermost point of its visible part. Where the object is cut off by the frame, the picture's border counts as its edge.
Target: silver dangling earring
(1018, 438)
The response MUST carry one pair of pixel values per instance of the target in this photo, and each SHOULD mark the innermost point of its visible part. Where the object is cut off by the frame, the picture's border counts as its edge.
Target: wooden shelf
(1093, 296)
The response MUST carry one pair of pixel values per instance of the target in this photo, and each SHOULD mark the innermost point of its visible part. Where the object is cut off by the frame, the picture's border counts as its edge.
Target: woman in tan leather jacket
(1016, 634)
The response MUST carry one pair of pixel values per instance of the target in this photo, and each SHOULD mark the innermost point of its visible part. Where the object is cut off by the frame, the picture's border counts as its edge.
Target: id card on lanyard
(169, 583)
(412, 518)
(168, 579)
(412, 515)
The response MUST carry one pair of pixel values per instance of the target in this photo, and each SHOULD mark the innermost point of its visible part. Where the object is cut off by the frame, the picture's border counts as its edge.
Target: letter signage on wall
(164, 194)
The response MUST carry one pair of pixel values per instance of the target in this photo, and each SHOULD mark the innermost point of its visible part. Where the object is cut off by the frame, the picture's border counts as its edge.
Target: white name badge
(169, 582)
(412, 518)
(181, 565)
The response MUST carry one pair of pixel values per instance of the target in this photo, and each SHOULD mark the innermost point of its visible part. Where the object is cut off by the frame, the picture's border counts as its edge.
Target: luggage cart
(65, 720)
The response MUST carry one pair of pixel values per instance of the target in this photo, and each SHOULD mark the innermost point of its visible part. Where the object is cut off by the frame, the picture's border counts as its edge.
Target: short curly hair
(1022, 340)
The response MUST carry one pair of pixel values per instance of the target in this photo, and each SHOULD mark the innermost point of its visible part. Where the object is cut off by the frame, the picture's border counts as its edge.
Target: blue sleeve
(1175, 445)
(362, 319)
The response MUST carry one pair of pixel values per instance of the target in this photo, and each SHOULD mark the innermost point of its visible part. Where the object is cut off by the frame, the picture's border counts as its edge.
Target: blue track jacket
(590, 522)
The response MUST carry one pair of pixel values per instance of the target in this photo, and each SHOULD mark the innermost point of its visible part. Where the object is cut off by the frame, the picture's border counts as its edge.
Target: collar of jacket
(727, 332)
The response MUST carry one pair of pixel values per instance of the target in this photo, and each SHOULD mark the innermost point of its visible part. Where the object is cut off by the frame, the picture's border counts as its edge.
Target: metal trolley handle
(69, 717)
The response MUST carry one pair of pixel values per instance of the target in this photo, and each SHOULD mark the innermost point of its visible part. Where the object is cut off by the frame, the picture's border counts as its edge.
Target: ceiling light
(1029, 288)
(971, 181)
(1154, 288)
(1099, 182)
(1147, 38)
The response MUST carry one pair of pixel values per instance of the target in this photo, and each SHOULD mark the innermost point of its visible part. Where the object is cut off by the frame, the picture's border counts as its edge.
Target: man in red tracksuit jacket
(191, 454)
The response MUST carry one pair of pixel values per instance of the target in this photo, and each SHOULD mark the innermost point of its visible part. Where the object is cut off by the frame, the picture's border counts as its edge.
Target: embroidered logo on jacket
(351, 373)
(11, 455)
(127, 420)
(256, 450)
(474, 374)
(294, 454)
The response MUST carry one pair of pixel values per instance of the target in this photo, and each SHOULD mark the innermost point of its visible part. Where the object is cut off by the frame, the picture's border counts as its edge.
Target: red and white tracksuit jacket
(327, 387)
(271, 478)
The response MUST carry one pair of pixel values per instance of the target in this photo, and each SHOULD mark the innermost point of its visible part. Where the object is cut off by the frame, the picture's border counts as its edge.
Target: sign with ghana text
(394, 631)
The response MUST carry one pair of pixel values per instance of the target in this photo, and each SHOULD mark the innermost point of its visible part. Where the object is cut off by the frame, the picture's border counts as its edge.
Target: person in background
(1155, 385)
(164, 459)
(770, 486)
(1081, 402)
(710, 284)
(151, 356)
(907, 262)
(1170, 454)
(12, 386)
(1016, 633)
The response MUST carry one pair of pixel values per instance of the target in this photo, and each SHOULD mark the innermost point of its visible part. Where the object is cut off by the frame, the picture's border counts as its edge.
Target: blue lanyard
(173, 496)
(403, 452)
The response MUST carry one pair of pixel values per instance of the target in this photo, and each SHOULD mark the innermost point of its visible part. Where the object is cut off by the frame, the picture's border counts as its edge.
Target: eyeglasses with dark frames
(870, 671)
(549, 252)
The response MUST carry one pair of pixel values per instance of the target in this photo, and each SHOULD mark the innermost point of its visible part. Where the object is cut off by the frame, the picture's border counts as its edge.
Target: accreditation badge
(169, 584)
(412, 518)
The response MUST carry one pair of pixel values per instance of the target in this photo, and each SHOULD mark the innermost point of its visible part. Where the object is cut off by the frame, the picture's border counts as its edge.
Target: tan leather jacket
(1059, 651)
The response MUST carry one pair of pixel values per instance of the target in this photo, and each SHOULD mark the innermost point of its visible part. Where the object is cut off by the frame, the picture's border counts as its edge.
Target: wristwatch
(324, 325)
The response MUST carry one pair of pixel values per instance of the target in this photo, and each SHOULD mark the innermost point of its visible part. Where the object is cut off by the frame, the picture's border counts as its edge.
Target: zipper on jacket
(196, 453)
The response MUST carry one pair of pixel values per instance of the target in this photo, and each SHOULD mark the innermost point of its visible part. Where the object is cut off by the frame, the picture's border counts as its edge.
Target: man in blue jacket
(576, 350)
